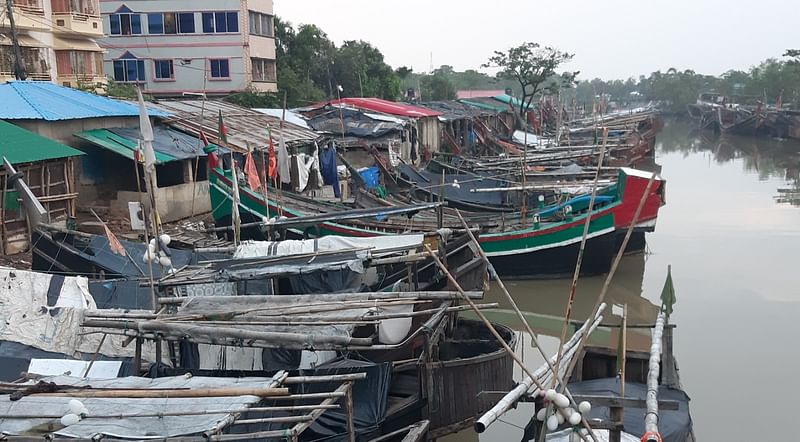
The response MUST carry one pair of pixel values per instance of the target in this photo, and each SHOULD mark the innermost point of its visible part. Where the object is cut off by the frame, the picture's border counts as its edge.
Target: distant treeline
(311, 68)
(770, 80)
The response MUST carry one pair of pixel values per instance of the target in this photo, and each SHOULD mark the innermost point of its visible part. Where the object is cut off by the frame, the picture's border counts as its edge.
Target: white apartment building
(56, 39)
(172, 47)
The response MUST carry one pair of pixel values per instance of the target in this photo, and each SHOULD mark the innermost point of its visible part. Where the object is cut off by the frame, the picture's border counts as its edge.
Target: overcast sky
(610, 38)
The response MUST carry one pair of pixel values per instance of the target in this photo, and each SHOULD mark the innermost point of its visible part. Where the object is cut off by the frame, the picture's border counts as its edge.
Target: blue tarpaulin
(371, 176)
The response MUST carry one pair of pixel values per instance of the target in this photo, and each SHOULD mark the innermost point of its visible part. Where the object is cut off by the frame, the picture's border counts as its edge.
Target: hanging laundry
(329, 170)
(284, 166)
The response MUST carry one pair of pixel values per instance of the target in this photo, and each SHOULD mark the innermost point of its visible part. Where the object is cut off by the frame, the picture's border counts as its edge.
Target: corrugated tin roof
(40, 100)
(22, 146)
(487, 103)
(387, 107)
(244, 125)
(454, 110)
(168, 144)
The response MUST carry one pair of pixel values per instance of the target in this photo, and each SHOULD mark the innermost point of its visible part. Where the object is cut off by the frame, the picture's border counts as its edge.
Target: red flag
(251, 172)
(273, 159)
(204, 139)
(223, 132)
(113, 242)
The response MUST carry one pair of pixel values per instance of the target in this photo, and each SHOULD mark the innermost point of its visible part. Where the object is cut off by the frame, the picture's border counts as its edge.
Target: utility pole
(19, 65)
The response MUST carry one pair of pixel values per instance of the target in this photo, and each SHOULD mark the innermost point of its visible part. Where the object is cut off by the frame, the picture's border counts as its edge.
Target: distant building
(462, 94)
(175, 47)
(56, 39)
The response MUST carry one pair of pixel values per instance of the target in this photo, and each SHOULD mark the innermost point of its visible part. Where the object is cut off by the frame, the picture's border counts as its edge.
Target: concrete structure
(57, 41)
(171, 47)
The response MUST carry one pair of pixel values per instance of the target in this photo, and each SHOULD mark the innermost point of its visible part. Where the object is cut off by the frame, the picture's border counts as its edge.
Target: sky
(611, 39)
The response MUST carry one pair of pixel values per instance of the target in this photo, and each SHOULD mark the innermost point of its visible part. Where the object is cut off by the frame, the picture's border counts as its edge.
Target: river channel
(732, 236)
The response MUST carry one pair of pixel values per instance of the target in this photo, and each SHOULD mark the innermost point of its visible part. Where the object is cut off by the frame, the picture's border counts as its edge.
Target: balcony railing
(36, 76)
(29, 9)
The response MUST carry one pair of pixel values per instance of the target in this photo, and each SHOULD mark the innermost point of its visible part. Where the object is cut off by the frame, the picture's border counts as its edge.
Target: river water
(734, 247)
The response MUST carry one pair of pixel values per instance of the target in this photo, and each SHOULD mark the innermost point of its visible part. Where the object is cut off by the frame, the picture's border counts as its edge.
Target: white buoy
(561, 401)
(560, 418)
(164, 261)
(584, 407)
(264, 220)
(70, 419)
(541, 414)
(165, 239)
(552, 423)
(153, 243)
(575, 419)
(550, 395)
(75, 406)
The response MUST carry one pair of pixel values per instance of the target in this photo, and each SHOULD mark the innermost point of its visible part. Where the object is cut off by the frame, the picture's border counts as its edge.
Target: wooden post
(137, 358)
(615, 433)
(623, 354)
(348, 404)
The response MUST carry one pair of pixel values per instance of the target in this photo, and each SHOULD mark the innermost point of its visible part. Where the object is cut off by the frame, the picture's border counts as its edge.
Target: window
(220, 68)
(220, 22)
(170, 23)
(155, 23)
(263, 69)
(261, 24)
(164, 70)
(186, 23)
(129, 70)
(126, 24)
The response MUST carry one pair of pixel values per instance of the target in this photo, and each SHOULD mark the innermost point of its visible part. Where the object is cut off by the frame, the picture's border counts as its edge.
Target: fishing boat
(544, 244)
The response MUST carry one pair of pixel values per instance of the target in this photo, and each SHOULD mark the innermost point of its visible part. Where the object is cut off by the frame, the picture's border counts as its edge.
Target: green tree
(360, 70)
(437, 86)
(532, 66)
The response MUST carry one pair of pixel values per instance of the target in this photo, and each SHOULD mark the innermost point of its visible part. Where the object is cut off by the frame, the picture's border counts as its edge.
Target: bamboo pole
(524, 386)
(618, 258)
(654, 368)
(170, 393)
(488, 324)
(288, 408)
(188, 330)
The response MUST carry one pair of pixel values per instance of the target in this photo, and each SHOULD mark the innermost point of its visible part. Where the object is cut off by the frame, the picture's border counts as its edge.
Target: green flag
(668, 294)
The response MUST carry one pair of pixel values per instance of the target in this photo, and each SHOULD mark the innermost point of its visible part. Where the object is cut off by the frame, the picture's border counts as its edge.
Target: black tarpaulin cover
(674, 426)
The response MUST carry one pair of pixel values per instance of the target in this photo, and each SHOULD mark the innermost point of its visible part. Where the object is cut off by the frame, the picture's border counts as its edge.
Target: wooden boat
(545, 245)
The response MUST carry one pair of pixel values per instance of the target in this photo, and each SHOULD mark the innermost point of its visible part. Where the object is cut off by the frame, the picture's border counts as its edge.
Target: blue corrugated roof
(39, 100)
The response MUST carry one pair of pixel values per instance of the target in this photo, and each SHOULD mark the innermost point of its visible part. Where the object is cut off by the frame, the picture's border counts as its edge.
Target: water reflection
(544, 302)
(769, 158)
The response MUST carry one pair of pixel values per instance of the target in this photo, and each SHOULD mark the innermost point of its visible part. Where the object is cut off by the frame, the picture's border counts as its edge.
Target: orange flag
(252, 173)
(113, 242)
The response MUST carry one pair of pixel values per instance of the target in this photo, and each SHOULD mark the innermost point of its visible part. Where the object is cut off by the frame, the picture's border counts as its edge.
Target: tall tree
(531, 65)
(361, 71)
(438, 86)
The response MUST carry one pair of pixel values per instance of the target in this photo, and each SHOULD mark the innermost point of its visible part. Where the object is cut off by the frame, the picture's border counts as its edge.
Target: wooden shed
(47, 167)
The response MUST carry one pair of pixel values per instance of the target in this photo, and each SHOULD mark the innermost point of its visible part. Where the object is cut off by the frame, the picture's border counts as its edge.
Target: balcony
(35, 61)
(28, 15)
(82, 69)
(73, 22)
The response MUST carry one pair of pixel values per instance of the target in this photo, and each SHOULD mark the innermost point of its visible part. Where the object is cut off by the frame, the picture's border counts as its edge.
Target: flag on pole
(113, 242)
(204, 139)
(668, 294)
(223, 132)
(252, 173)
(235, 216)
(273, 160)
(147, 135)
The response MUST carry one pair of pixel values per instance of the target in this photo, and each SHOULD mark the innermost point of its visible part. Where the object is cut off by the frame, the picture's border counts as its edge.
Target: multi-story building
(56, 39)
(172, 47)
